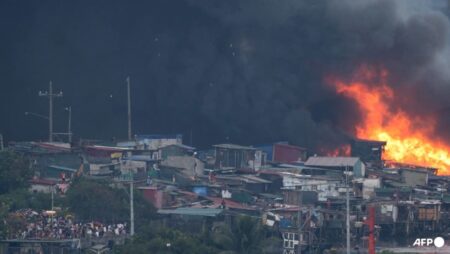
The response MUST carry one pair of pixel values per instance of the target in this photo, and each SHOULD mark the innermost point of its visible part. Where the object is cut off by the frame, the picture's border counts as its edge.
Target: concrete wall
(323, 188)
(414, 177)
(192, 165)
(41, 188)
(359, 169)
(369, 186)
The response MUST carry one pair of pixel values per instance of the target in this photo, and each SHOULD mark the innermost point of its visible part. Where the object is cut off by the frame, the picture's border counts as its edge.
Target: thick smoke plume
(228, 71)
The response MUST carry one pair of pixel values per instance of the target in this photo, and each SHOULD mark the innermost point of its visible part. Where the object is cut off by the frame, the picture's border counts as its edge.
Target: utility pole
(1, 142)
(371, 224)
(132, 205)
(53, 188)
(300, 201)
(69, 124)
(348, 209)
(50, 96)
(131, 198)
(129, 107)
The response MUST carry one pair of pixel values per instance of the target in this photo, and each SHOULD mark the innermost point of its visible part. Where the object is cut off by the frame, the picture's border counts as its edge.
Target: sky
(244, 72)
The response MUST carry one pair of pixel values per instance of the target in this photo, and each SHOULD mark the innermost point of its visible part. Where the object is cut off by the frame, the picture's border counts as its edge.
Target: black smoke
(242, 71)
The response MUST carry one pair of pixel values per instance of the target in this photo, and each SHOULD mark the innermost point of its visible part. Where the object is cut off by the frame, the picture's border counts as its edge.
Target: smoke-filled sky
(242, 71)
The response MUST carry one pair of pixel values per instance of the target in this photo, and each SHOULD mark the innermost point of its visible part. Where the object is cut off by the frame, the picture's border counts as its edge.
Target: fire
(344, 150)
(409, 138)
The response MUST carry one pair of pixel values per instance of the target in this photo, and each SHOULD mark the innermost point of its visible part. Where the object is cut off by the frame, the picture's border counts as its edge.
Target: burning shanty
(409, 137)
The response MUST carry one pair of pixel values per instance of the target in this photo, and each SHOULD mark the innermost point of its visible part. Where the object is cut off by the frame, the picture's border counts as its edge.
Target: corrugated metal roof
(374, 142)
(243, 178)
(181, 146)
(331, 161)
(139, 158)
(282, 144)
(254, 179)
(62, 168)
(159, 136)
(108, 148)
(233, 146)
(208, 212)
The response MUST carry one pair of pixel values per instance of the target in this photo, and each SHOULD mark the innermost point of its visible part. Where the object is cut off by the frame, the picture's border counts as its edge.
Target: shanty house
(297, 197)
(353, 164)
(152, 142)
(187, 165)
(283, 152)
(415, 177)
(325, 187)
(42, 185)
(237, 157)
(370, 151)
(175, 150)
(49, 160)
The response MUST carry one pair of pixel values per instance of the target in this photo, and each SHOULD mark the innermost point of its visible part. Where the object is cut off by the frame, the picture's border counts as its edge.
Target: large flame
(409, 138)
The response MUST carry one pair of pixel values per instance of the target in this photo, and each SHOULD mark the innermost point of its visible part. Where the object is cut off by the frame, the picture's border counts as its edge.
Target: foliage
(93, 200)
(4, 208)
(165, 241)
(22, 199)
(15, 172)
(96, 200)
(245, 235)
(144, 211)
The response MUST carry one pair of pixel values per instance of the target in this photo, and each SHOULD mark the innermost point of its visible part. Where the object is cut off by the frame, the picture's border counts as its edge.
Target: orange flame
(344, 150)
(409, 139)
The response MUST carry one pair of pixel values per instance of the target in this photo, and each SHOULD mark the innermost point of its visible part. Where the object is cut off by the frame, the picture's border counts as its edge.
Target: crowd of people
(29, 224)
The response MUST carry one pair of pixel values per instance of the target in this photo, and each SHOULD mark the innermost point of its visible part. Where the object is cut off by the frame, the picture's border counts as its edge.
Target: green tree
(245, 235)
(165, 241)
(22, 198)
(96, 200)
(4, 208)
(15, 172)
